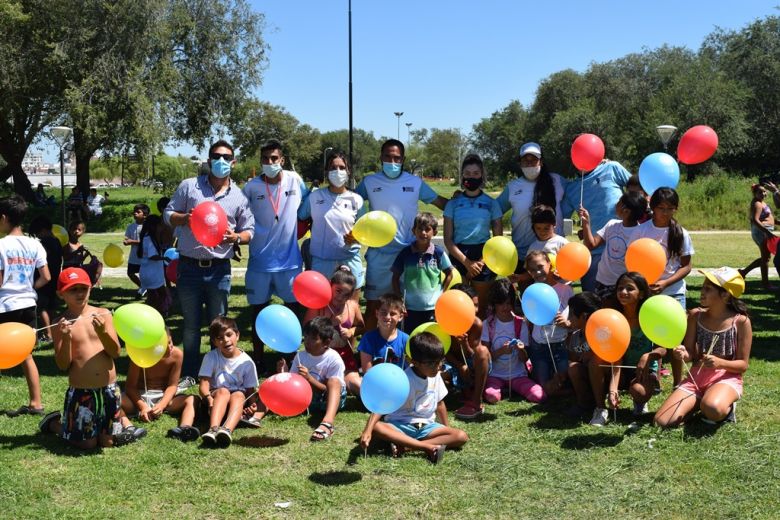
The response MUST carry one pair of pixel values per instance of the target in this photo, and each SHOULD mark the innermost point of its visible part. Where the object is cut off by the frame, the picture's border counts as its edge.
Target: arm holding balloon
(643, 365)
(180, 219)
(613, 397)
(171, 387)
(682, 272)
(104, 327)
(131, 390)
(590, 241)
(315, 385)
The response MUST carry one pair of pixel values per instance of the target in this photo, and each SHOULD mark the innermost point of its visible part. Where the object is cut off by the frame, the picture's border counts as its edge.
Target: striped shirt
(192, 192)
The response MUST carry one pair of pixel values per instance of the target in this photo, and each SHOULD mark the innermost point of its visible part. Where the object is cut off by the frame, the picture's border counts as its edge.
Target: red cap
(72, 276)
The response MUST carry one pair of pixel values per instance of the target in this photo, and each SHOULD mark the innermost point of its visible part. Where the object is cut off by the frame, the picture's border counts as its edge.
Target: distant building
(33, 163)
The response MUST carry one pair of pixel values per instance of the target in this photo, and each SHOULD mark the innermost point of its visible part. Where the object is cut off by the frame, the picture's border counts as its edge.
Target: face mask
(271, 170)
(337, 178)
(531, 172)
(392, 170)
(472, 184)
(220, 168)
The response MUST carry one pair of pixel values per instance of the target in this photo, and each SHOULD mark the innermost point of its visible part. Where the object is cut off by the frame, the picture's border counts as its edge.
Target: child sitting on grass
(227, 378)
(86, 344)
(414, 425)
(151, 391)
(386, 343)
(323, 369)
(581, 306)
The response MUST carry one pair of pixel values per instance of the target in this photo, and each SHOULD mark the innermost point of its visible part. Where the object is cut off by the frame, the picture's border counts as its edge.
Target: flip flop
(251, 421)
(24, 410)
(323, 432)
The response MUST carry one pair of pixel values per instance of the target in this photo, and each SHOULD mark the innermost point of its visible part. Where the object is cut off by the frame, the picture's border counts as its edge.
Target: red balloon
(587, 151)
(286, 394)
(208, 223)
(171, 271)
(697, 145)
(312, 290)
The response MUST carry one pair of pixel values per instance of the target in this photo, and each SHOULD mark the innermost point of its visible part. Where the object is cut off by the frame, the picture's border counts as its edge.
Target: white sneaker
(639, 409)
(600, 417)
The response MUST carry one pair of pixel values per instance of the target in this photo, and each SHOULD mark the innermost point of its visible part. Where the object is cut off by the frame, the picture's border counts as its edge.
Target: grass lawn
(523, 460)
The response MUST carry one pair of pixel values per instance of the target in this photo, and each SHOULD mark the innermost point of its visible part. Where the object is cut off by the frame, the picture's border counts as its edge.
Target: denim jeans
(198, 286)
(539, 354)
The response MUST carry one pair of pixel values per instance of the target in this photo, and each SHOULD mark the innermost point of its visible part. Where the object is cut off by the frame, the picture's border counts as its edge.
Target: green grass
(523, 460)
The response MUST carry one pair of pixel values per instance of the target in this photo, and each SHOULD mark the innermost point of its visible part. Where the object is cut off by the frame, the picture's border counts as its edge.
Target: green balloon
(139, 325)
(663, 320)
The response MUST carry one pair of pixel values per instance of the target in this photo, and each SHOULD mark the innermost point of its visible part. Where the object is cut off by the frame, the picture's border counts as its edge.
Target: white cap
(532, 148)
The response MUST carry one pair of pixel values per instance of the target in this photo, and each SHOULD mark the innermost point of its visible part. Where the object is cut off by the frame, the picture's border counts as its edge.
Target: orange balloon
(608, 334)
(16, 343)
(455, 312)
(647, 257)
(573, 261)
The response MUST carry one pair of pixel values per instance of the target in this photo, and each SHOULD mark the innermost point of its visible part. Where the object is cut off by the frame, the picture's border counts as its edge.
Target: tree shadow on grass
(261, 441)
(587, 441)
(335, 478)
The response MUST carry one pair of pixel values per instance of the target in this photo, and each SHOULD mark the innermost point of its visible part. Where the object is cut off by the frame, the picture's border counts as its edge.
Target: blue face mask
(271, 170)
(392, 170)
(220, 168)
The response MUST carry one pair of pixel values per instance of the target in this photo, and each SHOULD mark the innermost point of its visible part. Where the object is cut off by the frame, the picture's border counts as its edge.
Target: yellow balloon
(375, 229)
(456, 277)
(553, 258)
(113, 256)
(435, 329)
(148, 357)
(60, 233)
(500, 255)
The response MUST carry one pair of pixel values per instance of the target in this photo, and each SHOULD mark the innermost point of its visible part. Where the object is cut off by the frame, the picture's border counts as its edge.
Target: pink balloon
(171, 271)
(587, 151)
(697, 145)
(286, 394)
(208, 223)
(312, 290)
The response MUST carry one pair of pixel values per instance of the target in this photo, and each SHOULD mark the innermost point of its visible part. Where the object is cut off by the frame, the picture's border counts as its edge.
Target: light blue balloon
(279, 328)
(658, 170)
(540, 304)
(384, 389)
(171, 254)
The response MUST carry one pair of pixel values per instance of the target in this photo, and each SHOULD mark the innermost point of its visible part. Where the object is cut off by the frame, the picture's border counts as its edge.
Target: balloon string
(582, 185)
(146, 391)
(614, 410)
(229, 417)
(74, 319)
(552, 357)
(709, 351)
(617, 366)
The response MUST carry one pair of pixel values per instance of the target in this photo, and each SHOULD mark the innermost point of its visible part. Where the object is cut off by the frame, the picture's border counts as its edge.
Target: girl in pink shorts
(718, 342)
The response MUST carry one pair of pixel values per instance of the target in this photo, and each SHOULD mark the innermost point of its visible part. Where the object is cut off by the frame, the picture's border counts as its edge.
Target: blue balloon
(658, 170)
(279, 328)
(384, 389)
(540, 304)
(171, 254)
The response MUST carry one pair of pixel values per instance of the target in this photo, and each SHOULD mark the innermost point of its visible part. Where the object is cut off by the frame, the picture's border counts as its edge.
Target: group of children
(501, 353)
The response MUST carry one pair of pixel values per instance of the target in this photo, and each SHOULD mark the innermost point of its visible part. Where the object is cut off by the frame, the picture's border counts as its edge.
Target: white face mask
(531, 172)
(271, 170)
(337, 178)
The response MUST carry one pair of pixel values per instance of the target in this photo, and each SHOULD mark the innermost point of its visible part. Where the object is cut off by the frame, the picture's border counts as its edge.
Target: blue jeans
(589, 280)
(542, 363)
(197, 286)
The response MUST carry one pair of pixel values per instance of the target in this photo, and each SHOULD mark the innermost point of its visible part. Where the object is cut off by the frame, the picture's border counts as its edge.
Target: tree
(365, 148)
(443, 149)
(498, 138)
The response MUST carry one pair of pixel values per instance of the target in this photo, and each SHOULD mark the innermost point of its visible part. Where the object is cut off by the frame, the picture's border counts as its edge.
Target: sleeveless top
(342, 348)
(722, 342)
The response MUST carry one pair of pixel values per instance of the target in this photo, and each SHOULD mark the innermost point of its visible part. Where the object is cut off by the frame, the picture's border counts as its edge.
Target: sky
(450, 63)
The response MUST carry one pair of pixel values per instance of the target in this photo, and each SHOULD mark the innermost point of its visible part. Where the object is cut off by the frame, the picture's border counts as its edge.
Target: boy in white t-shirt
(543, 223)
(20, 257)
(414, 426)
(132, 239)
(228, 380)
(323, 368)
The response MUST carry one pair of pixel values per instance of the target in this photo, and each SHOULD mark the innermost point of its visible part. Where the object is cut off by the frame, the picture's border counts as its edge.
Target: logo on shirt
(290, 193)
(320, 201)
(518, 192)
(377, 189)
(261, 197)
(407, 188)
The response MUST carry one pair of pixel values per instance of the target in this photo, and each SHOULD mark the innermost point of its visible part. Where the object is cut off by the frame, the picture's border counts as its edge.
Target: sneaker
(49, 418)
(210, 437)
(189, 433)
(223, 437)
(468, 411)
(141, 293)
(639, 409)
(175, 433)
(137, 431)
(186, 382)
(124, 437)
(600, 417)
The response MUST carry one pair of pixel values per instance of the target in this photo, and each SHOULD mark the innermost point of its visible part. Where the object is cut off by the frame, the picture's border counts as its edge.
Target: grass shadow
(57, 446)
(335, 478)
(357, 453)
(261, 441)
(481, 418)
(696, 429)
(587, 441)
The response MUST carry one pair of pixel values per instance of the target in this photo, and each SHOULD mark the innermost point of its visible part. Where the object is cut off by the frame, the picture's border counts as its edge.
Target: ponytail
(544, 189)
(675, 238)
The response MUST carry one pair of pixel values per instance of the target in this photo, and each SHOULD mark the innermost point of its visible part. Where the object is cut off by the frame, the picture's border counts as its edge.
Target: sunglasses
(217, 156)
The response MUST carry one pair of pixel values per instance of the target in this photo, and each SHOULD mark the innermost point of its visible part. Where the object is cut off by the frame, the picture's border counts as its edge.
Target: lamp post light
(666, 132)
(398, 131)
(408, 134)
(61, 135)
(325, 157)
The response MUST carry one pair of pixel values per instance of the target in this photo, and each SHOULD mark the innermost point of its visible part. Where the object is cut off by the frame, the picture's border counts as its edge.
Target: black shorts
(473, 252)
(26, 316)
(47, 297)
(133, 268)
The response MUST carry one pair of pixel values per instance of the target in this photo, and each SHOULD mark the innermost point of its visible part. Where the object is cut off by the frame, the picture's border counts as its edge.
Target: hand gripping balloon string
(230, 417)
(709, 351)
(75, 319)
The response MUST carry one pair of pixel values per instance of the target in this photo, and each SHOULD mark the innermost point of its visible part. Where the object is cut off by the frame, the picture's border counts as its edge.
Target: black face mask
(472, 184)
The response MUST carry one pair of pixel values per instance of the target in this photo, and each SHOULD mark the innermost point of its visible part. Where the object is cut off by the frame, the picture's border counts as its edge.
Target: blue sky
(447, 64)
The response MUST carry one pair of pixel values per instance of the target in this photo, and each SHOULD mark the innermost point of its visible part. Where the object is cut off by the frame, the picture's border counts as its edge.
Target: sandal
(438, 454)
(324, 431)
(24, 410)
(468, 411)
(251, 421)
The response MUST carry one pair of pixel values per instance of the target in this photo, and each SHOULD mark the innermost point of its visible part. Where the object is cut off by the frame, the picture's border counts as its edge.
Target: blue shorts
(260, 286)
(416, 431)
(328, 267)
(379, 278)
(319, 401)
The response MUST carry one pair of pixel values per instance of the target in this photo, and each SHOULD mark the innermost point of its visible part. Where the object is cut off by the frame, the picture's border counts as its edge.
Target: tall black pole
(350, 83)
(62, 186)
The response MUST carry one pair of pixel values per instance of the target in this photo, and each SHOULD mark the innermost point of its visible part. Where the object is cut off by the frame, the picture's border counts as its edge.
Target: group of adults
(265, 215)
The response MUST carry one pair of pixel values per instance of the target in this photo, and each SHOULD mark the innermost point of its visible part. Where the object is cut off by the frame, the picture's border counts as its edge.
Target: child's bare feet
(397, 451)
(436, 454)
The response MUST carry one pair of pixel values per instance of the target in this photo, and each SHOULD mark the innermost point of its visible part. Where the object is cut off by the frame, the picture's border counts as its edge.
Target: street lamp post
(325, 157)
(398, 131)
(408, 134)
(666, 132)
(61, 135)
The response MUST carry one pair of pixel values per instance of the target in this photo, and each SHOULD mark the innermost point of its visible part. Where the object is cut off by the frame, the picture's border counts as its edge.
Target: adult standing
(762, 225)
(274, 257)
(395, 191)
(204, 272)
(537, 185)
(468, 223)
(333, 212)
(600, 190)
